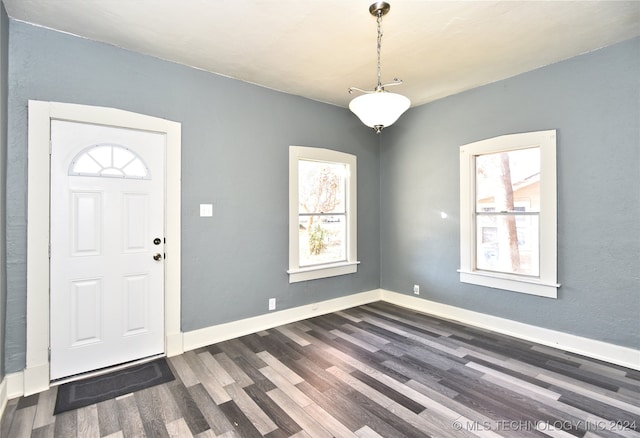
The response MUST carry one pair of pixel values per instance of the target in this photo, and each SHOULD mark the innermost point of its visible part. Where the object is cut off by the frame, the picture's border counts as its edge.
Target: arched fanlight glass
(110, 161)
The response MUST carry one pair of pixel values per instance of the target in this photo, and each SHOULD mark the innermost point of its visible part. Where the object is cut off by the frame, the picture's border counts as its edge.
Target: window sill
(322, 271)
(531, 286)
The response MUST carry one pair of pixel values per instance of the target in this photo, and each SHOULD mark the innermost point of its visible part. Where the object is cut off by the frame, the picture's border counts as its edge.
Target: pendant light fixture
(378, 108)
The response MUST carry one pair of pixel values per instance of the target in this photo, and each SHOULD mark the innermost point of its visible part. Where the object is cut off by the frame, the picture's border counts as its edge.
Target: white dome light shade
(380, 109)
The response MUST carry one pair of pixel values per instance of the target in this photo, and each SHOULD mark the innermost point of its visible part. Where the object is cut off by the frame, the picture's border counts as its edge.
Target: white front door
(107, 246)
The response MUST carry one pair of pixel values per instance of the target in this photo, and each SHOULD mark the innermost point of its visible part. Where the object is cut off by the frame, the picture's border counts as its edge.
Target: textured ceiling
(318, 49)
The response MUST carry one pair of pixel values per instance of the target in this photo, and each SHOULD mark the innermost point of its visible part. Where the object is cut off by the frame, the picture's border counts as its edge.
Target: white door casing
(35, 377)
(107, 272)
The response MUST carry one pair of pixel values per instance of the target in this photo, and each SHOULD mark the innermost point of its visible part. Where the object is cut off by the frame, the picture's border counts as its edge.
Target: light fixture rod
(379, 9)
(379, 20)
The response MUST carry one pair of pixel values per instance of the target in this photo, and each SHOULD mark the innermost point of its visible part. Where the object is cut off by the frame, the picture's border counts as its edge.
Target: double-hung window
(508, 213)
(322, 213)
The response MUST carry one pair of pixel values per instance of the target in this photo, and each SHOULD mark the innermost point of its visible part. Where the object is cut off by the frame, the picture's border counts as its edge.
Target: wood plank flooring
(371, 371)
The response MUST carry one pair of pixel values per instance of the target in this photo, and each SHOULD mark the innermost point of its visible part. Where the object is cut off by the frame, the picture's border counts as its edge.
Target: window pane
(322, 239)
(508, 243)
(321, 187)
(111, 171)
(508, 181)
(86, 164)
(102, 154)
(121, 157)
(135, 168)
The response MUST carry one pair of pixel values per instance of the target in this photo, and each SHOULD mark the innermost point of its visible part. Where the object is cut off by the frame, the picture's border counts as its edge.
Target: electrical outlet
(272, 304)
(206, 210)
(416, 289)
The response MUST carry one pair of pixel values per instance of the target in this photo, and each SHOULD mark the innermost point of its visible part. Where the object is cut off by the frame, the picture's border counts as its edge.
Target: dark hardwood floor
(371, 371)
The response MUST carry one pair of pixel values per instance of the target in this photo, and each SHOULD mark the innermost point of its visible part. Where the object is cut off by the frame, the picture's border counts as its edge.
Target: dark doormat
(74, 395)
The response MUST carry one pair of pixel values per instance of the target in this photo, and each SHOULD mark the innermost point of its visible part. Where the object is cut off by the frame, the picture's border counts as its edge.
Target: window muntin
(322, 213)
(110, 161)
(508, 223)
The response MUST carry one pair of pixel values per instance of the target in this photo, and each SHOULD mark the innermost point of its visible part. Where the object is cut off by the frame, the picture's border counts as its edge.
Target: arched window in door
(110, 161)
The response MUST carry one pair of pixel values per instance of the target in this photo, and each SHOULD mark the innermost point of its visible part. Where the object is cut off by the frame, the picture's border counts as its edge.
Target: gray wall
(4, 50)
(593, 101)
(235, 139)
(235, 152)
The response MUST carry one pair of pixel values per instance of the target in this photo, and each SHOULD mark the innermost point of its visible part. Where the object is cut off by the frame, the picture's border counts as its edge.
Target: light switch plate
(206, 210)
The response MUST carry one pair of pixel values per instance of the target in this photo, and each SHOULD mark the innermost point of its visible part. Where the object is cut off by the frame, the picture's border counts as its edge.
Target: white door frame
(36, 373)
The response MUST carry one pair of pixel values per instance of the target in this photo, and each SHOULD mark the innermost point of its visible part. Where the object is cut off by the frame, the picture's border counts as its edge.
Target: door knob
(157, 257)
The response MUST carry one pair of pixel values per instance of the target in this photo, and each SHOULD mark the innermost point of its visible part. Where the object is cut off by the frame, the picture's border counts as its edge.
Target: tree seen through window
(507, 210)
(322, 212)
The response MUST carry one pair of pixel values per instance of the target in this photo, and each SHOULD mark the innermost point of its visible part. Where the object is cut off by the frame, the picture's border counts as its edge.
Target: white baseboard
(36, 379)
(30, 381)
(10, 387)
(604, 351)
(174, 344)
(15, 384)
(3, 396)
(230, 330)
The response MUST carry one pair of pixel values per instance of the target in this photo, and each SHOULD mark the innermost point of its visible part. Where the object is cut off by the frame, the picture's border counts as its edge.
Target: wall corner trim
(616, 354)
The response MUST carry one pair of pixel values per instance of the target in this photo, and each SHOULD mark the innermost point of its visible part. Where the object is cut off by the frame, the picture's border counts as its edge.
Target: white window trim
(546, 284)
(350, 266)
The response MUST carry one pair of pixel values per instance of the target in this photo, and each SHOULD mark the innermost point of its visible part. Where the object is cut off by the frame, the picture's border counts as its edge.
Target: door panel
(136, 217)
(86, 296)
(86, 221)
(107, 207)
(136, 290)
